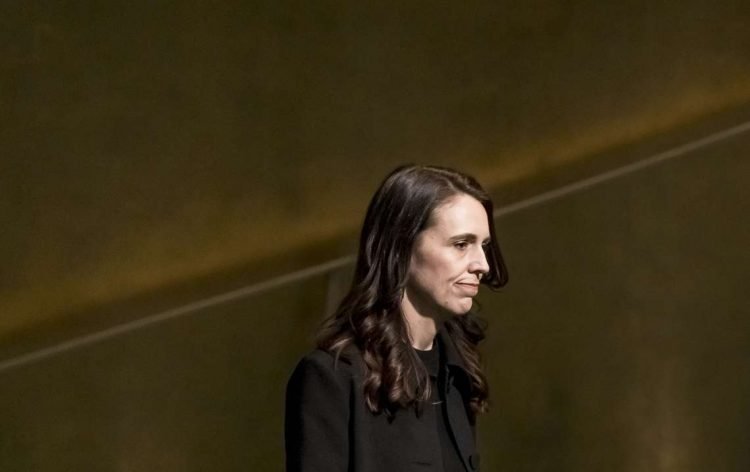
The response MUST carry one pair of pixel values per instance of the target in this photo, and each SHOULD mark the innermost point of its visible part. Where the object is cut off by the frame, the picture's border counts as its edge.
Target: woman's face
(448, 258)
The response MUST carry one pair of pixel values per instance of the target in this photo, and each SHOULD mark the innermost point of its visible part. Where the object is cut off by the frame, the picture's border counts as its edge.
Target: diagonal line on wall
(332, 265)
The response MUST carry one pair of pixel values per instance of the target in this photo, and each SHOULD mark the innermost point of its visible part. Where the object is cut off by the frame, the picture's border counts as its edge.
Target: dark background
(156, 154)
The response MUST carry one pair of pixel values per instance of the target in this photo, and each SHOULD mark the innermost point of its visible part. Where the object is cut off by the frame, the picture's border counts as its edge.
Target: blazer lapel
(456, 387)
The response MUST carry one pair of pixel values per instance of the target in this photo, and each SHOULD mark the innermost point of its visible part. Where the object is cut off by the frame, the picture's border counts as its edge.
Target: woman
(396, 381)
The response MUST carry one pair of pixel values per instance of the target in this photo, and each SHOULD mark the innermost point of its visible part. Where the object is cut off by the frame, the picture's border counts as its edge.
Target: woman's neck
(422, 329)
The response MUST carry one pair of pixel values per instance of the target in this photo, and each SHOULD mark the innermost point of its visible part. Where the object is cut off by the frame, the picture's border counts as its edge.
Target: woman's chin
(461, 308)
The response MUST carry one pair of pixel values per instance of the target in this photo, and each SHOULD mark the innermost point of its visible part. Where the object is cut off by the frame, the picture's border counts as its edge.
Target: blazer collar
(452, 357)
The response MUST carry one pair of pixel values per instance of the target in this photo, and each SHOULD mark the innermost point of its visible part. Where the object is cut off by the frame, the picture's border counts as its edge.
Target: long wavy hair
(369, 317)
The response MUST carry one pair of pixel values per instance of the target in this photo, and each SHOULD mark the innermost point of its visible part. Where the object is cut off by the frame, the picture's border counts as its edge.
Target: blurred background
(182, 183)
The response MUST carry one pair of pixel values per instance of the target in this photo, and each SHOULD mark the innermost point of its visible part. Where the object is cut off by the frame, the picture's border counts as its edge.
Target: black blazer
(328, 427)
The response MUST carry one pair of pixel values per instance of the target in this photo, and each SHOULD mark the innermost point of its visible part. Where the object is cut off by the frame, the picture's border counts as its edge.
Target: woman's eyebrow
(470, 237)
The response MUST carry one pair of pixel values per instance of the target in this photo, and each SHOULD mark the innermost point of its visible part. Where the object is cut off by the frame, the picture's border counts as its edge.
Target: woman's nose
(479, 264)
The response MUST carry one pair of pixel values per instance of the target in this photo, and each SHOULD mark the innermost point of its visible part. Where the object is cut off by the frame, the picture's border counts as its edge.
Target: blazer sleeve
(316, 430)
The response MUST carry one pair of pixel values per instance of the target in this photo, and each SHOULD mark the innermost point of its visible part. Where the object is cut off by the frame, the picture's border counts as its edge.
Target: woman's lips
(470, 289)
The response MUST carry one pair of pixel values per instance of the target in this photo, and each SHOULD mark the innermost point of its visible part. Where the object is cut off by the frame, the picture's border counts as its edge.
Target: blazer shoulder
(319, 360)
(317, 413)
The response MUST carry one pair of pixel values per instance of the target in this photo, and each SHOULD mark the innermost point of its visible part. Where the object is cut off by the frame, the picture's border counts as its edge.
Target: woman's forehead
(461, 214)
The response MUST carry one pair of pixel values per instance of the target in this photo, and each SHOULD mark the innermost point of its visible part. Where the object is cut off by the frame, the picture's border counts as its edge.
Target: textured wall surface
(144, 144)
(151, 151)
(204, 392)
(621, 344)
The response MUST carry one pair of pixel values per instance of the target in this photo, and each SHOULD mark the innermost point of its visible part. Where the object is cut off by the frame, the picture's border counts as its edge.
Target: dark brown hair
(369, 317)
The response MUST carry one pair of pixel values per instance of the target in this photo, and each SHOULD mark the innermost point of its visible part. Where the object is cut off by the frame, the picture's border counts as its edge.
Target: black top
(329, 427)
(434, 361)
